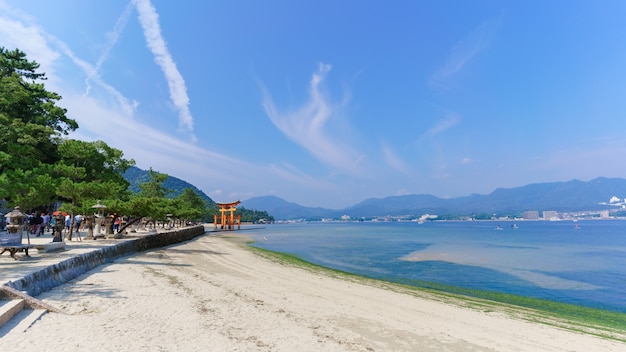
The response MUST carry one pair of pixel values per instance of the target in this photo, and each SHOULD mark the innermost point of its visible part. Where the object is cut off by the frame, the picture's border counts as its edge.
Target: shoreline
(211, 292)
(546, 261)
(600, 322)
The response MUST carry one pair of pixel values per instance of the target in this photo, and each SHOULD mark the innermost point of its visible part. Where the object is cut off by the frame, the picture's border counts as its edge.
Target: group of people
(40, 223)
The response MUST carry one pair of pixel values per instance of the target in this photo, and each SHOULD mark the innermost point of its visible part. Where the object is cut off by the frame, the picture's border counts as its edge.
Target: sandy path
(212, 295)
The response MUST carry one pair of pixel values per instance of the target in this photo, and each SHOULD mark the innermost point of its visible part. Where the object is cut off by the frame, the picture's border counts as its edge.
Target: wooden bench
(12, 242)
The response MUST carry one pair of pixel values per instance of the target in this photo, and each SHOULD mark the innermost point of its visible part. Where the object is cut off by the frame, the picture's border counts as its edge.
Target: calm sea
(582, 262)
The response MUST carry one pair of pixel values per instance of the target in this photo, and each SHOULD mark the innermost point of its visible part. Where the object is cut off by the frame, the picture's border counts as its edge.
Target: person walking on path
(116, 224)
(77, 222)
(37, 222)
(52, 223)
(46, 222)
(68, 223)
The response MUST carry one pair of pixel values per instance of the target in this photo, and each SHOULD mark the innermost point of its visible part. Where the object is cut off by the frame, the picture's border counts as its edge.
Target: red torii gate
(227, 222)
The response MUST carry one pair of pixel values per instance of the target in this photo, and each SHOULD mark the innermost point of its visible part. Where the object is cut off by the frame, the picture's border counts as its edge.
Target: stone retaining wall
(58, 274)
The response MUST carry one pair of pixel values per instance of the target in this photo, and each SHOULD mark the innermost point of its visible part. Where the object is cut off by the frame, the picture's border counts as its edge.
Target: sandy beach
(211, 294)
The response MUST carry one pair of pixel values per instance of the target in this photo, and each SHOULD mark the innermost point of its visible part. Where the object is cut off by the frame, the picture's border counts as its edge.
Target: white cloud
(307, 126)
(106, 114)
(393, 160)
(149, 20)
(290, 173)
(38, 45)
(448, 122)
(465, 50)
(31, 40)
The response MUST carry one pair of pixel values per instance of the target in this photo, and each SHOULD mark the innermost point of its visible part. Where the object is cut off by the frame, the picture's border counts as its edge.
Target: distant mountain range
(567, 196)
(135, 176)
(280, 209)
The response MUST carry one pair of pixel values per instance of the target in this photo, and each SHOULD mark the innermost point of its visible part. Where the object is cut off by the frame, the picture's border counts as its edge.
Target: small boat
(514, 226)
(498, 227)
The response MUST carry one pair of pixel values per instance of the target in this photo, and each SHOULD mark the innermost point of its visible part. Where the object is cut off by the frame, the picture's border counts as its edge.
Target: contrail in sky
(112, 39)
(149, 20)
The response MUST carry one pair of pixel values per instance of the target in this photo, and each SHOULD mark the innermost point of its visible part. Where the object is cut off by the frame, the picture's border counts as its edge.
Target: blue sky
(328, 103)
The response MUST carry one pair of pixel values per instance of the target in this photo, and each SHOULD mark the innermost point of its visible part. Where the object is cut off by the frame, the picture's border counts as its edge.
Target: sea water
(582, 262)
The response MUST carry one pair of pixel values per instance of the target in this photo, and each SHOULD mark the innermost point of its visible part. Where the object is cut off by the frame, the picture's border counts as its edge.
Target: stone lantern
(90, 222)
(99, 216)
(59, 225)
(170, 220)
(16, 223)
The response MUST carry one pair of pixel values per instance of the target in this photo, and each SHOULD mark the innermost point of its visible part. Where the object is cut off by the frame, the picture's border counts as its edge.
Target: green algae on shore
(602, 323)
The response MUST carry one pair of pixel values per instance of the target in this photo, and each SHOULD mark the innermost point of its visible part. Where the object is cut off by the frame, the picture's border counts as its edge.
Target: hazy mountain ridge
(286, 210)
(574, 195)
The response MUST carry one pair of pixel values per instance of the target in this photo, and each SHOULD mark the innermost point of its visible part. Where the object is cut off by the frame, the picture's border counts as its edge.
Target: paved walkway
(11, 269)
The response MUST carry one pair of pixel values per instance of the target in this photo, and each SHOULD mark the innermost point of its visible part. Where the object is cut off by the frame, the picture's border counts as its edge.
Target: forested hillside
(136, 176)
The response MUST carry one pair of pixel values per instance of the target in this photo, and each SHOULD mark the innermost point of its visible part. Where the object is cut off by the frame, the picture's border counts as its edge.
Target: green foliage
(97, 159)
(188, 202)
(175, 186)
(30, 121)
(482, 216)
(28, 188)
(189, 205)
(254, 215)
(153, 187)
(152, 201)
(37, 166)
(247, 215)
(150, 207)
(89, 170)
(22, 97)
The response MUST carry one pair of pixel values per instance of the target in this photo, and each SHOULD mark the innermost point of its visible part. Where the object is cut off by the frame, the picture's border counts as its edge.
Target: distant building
(345, 217)
(531, 215)
(604, 214)
(550, 215)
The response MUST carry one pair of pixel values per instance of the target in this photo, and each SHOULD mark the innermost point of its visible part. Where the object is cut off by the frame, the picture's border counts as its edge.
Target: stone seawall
(58, 274)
